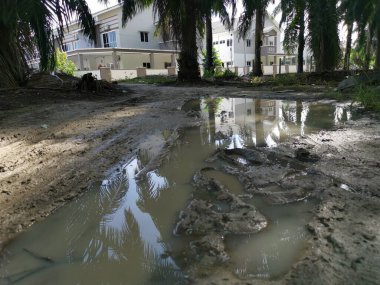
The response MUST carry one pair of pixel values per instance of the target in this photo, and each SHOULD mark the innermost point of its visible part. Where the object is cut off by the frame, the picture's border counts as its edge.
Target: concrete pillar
(173, 60)
(115, 60)
(172, 71)
(237, 70)
(141, 71)
(274, 70)
(152, 61)
(105, 74)
(286, 68)
(80, 62)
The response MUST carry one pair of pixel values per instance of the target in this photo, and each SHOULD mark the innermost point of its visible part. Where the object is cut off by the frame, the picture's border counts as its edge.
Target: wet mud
(335, 165)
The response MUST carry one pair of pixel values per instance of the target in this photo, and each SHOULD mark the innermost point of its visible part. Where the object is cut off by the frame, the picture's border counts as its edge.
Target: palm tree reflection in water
(123, 232)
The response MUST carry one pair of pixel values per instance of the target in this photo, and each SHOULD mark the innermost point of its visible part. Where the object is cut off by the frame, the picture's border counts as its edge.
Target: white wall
(240, 52)
(130, 34)
(226, 53)
(156, 72)
(121, 74)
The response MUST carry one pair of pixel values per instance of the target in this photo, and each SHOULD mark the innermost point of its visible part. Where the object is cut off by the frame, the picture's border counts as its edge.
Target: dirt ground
(54, 144)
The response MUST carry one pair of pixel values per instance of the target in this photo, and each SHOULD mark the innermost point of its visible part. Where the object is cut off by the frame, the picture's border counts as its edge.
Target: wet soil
(340, 169)
(53, 145)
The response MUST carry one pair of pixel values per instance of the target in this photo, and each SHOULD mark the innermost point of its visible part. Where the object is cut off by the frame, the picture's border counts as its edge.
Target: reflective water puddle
(121, 231)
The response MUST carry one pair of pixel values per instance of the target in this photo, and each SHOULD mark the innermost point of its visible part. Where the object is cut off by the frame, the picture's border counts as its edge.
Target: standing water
(121, 230)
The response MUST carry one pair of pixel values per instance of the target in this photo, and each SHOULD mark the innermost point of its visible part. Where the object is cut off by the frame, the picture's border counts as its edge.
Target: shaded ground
(53, 144)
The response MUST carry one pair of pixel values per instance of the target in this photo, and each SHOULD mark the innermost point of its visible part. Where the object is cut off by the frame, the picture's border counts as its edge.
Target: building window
(248, 63)
(229, 43)
(75, 45)
(109, 39)
(249, 112)
(144, 37)
(271, 43)
(229, 64)
(146, 64)
(248, 43)
(67, 47)
(223, 42)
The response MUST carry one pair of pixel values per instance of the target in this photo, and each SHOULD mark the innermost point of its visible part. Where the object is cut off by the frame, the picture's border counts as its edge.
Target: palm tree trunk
(367, 58)
(348, 47)
(209, 58)
(188, 58)
(257, 70)
(377, 65)
(259, 125)
(301, 40)
(12, 60)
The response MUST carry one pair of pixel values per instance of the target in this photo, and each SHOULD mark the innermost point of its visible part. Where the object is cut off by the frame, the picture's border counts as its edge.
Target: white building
(237, 52)
(137, 47)
(120, 48)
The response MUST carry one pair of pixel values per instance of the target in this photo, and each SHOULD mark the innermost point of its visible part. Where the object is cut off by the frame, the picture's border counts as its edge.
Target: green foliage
(257, 80)
(217, 62)
(323, 33)
(62, 64)
(287, 79)
(227, 74)
(358, 57)
(293, 13)
(208, 73)
(368, 97)
(29, 28)
(212, 104)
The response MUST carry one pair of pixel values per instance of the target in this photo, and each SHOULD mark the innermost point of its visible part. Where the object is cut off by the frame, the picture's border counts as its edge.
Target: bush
(369, 97)
(226, 74)
(64, 65)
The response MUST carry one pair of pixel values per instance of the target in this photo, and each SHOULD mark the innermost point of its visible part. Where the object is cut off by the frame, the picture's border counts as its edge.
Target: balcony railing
(265, 50)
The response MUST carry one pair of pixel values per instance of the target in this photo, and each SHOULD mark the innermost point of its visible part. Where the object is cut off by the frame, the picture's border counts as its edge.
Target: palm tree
(346, 8)
(219, 7)
(323, 33)
(177, 19)
(293, 15)
(28, 28)
(367, 16)
(257, 9)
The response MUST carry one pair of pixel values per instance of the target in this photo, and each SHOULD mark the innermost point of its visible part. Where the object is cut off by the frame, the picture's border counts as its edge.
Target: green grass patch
(368, 97)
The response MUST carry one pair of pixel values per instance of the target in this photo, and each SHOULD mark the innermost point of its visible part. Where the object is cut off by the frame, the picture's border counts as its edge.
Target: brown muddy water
(121, 230)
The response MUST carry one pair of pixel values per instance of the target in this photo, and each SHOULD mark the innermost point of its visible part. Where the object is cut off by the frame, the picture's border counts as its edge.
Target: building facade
(118, 47)
(240, 52)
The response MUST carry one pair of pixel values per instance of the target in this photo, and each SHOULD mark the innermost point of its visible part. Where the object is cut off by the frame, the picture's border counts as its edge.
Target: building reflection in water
(244, 122)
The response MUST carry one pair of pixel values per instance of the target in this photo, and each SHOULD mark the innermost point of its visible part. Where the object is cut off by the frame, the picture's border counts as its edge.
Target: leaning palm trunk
(188, 59)
(257, 70)
(348, 47)
(209, 56)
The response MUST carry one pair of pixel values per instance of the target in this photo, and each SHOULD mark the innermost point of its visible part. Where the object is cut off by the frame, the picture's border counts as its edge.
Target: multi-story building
(137, 44)
(240, 52)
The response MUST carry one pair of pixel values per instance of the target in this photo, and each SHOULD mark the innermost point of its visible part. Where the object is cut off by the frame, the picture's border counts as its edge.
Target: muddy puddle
(126, 228)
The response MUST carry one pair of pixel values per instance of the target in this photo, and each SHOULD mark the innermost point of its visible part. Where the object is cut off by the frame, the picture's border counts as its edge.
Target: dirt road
(53, 145)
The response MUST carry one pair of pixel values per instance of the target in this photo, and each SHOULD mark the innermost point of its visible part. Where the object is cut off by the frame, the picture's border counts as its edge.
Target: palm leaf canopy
(31, 26)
